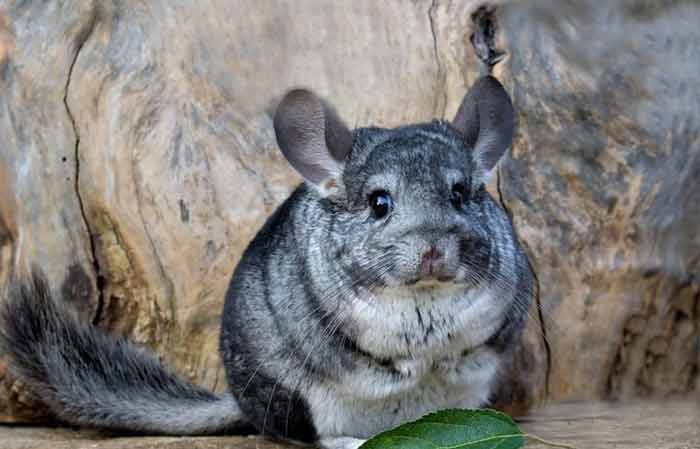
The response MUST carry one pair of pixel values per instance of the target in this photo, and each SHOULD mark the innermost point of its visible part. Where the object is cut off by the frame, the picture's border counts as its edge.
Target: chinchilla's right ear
(313, 139)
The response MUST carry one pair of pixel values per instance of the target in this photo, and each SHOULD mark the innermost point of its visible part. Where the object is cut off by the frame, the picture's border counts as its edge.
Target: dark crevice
(483, 38)
(538, 302)
(441, 93)
(695, 368)
(81, 39)
(609, 389)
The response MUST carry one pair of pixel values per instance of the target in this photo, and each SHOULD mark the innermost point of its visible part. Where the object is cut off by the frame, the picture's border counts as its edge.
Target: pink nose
(430, 261)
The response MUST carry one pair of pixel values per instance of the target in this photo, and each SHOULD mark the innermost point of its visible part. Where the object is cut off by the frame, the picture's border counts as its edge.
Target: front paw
(412, 368)
(340, 443)
(445, 368)
(474, 367)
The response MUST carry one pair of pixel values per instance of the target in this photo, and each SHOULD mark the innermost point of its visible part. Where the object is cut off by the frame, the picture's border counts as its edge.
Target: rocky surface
(137, 159)
(621, 425)
(602, 183)
(594, 425)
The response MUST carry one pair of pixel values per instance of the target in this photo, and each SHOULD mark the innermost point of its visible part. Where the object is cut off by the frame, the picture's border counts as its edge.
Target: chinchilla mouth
(436, 281)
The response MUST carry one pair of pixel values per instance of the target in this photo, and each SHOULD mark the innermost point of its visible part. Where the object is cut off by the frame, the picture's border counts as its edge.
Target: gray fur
(89, 378)
(312, 137)
(339, 322)
(487, 121)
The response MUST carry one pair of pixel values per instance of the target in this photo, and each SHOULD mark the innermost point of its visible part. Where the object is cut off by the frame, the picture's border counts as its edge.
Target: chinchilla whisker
(487, 277)
(342, 287)
(336, 322)
(331, 328)
(377, 265)
(520, 307)
(332, 294)
(379, 270)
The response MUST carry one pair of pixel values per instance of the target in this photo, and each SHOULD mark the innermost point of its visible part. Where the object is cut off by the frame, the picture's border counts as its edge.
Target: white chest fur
(428, 321)
(425, 330)
(463, 382)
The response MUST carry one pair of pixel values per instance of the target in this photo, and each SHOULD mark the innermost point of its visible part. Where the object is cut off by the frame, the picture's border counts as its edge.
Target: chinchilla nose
(431, 262)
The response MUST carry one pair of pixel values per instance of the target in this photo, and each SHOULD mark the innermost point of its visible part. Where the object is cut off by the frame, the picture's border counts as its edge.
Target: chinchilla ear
(313, 139)
(486, 120)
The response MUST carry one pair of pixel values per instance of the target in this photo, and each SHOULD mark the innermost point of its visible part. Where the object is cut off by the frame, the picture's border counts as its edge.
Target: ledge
(585, 425)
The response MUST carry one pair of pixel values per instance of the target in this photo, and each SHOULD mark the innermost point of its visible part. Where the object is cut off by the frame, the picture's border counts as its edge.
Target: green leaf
(452, 429)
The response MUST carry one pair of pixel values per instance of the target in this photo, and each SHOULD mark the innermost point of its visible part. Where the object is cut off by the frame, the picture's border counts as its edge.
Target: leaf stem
(546, 442)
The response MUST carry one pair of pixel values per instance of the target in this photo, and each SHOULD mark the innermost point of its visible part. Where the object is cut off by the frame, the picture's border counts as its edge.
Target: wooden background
(137, 159)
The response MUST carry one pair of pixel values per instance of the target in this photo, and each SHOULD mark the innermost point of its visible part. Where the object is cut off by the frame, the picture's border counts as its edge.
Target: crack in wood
(81, 39)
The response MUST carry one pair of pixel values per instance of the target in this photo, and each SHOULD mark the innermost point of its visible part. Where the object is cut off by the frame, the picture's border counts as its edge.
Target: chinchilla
(388, 285)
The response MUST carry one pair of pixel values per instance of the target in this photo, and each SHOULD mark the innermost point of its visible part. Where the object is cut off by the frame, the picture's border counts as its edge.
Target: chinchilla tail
(89, 378)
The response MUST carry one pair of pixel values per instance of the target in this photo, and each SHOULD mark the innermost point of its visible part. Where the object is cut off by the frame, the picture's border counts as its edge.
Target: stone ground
(598, 425)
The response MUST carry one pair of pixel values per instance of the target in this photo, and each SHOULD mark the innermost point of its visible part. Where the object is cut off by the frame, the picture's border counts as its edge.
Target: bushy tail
(89, 378)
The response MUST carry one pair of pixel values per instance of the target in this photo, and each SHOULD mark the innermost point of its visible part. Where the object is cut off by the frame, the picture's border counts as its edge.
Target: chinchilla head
(403, 205)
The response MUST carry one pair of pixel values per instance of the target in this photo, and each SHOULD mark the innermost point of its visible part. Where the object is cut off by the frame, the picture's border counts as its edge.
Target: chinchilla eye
(459, 194)
(381, 203)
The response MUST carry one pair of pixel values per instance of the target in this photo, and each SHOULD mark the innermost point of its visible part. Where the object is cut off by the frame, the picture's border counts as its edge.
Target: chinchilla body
(329, 328)
(389, 284)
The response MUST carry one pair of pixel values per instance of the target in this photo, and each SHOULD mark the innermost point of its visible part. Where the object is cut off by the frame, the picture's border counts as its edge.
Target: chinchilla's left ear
(486, 120)
(313, 138)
